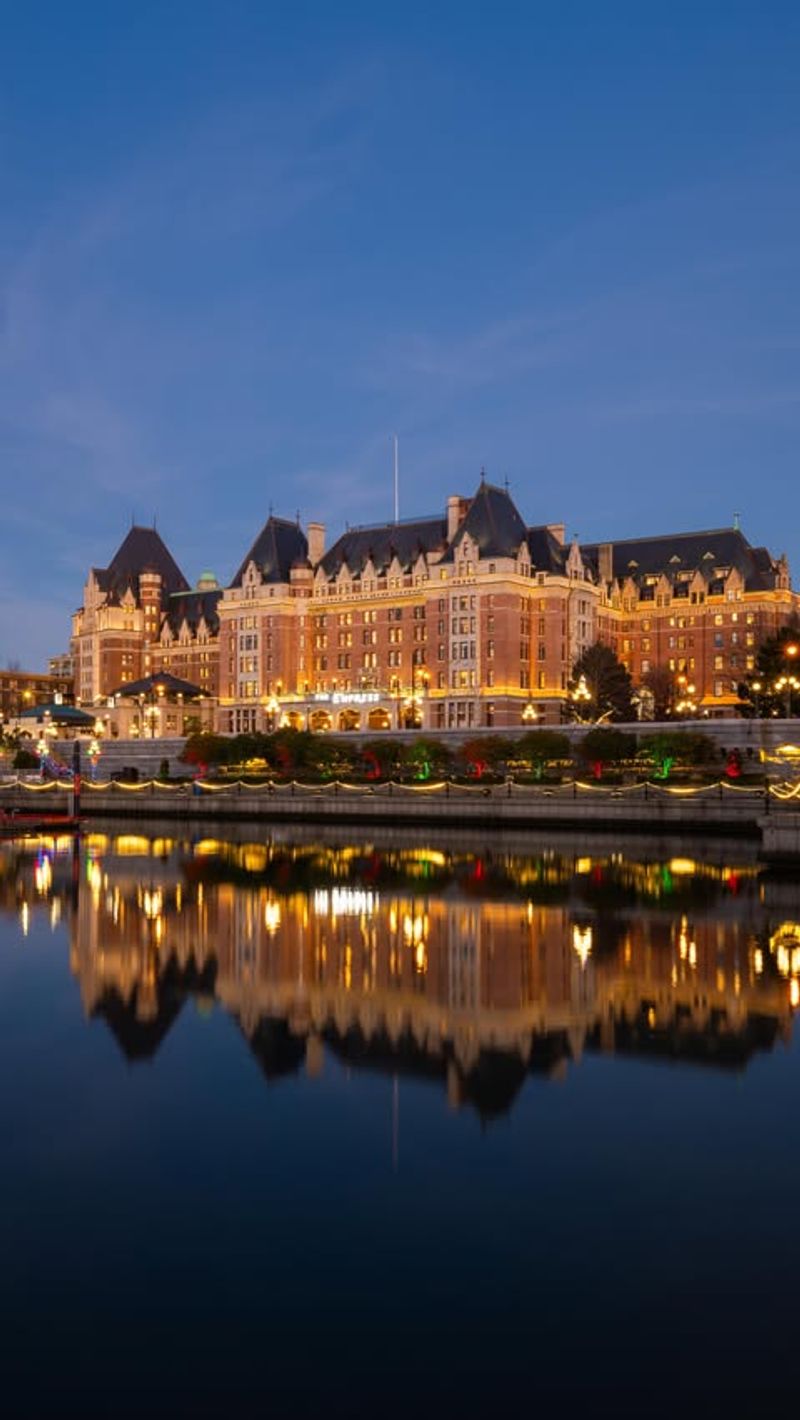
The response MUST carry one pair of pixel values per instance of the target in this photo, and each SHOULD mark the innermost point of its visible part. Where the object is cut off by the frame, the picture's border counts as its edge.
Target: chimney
(456, 512)
(316, 542)
(605, 561)
(558, 530)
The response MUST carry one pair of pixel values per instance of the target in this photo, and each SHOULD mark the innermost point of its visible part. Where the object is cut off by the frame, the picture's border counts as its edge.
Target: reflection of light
(687, 948)
(420, 958)
(758, 961)
(345, 902)
(206, 846)
(152, 903)
(785, 944)
(95, 878)
(583, 865)
(414, 928)
(582, 943)
(682, 866)
(131, 845)
(424, 855)
(794, 992)
(43, 876)
(96, 842)
(25, 918)
(651, 1017)
(55, 912)
(272, 916)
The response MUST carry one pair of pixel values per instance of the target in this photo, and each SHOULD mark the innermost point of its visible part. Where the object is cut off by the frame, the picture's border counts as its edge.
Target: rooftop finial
(736, 524)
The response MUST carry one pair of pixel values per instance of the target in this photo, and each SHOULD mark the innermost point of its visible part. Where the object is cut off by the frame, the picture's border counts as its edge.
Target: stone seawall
(647, 809)
(644, 808)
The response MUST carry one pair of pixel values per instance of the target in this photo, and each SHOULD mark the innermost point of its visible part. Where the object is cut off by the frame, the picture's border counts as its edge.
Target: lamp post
(272, 708)
(685, 703)
(581, 699)
(421, 679)
(530, 715)
(787, 685)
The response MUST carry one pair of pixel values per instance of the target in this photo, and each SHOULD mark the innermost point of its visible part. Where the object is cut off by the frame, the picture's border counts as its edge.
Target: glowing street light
(581, 699)
(686, 703)
(787, 685)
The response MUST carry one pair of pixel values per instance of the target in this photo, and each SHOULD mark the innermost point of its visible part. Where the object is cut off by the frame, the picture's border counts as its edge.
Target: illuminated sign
(348, 697)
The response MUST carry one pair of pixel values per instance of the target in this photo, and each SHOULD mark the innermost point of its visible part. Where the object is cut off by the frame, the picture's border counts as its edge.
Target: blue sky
(241, 244)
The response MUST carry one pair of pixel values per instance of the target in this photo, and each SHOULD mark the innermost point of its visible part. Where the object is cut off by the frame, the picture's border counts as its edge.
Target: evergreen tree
(778, 659)
(610, 691)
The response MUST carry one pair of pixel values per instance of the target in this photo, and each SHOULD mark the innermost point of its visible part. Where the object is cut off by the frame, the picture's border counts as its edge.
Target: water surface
(314, 1123)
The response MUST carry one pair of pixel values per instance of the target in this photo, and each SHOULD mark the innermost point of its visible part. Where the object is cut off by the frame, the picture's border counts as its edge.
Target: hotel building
(471, 618)
(140, 615)
(475, 619)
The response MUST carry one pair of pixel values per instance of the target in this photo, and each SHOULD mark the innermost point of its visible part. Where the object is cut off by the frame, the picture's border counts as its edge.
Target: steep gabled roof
(404, 540)
(141, 551)
(492, 522)
(191, 607)
(278, 546)
(547, 553)
(674, 553)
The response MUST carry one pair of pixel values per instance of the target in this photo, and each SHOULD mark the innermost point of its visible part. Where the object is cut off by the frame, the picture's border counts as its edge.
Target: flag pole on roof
(396, 479)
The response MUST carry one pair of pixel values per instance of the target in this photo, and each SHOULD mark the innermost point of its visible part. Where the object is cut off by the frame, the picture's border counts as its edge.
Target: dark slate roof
(687, 552)
(381, 543)
(59, 714)
(276, 549)
(141, 551)
(493, 522)
(547, 553)
(160, 680)
(191, 606)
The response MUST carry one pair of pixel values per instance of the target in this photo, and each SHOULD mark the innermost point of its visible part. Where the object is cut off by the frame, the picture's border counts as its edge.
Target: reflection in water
(469, 969)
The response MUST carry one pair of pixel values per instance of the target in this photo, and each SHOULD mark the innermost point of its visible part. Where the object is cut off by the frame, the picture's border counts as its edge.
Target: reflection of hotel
(468, 618)
(455, 983)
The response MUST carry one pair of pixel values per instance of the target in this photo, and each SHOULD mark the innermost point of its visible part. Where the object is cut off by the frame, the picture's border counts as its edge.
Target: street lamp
(788, 685)
(273, 709)
(756, 686)
(686, 703)
(530, 714)
(421, 679)
(581, 699)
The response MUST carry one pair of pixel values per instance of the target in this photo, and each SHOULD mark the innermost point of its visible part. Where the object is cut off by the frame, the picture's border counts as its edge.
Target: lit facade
(468, 619)
(21, 690)
(475, 619)
(139, 615)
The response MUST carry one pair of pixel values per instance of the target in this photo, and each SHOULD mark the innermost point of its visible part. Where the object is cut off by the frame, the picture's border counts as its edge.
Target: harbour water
(388, 1123)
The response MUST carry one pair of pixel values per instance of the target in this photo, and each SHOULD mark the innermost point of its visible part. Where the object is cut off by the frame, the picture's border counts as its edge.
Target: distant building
(60, 666)
(22, 690)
